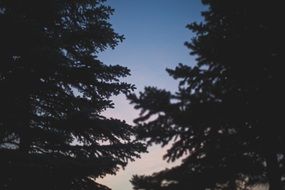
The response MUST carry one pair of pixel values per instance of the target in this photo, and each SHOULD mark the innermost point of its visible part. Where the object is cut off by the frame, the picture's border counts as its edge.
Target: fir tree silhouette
(53, 91)
(225, 117)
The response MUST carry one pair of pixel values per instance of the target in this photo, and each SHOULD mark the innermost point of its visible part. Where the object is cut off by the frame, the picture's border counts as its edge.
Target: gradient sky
(155, 33)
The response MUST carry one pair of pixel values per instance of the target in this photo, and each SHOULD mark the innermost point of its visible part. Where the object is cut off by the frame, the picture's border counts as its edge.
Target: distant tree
(53, 91)
(225, 118)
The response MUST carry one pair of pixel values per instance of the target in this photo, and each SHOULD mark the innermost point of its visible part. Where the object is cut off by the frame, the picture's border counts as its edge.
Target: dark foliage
(225, 117)
(53, 90)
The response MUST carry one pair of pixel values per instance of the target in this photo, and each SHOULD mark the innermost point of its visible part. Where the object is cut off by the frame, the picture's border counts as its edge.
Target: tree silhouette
(225, 118)
(53, 90)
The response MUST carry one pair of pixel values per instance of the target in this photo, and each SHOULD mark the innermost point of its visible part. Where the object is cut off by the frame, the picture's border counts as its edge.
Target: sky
(155, 32)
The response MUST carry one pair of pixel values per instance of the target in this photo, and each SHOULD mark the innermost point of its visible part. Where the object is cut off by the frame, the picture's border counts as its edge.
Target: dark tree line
(53, 90)
(226, 116)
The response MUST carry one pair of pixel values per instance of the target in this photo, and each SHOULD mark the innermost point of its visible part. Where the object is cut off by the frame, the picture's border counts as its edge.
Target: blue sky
(155, 34)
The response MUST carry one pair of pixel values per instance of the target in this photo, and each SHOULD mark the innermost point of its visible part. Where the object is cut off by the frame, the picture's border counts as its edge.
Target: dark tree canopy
(53, 91)
(225, 117)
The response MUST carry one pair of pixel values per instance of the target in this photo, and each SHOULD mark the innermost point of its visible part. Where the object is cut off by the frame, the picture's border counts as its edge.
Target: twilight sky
(155, 33)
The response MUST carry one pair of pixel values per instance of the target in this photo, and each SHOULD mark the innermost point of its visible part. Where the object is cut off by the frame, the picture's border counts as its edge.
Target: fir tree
(225, 117)
(53, 91)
